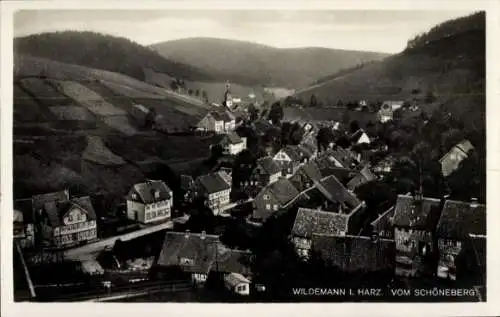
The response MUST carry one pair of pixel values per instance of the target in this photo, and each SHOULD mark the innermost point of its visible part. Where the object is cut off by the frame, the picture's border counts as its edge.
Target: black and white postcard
(223, 152)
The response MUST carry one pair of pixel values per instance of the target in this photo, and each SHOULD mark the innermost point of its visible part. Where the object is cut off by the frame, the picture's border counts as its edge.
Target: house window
(268, 206)
(266, 197)
(275, 207)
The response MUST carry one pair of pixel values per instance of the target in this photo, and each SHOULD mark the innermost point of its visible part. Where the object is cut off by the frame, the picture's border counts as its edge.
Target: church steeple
(228, 100)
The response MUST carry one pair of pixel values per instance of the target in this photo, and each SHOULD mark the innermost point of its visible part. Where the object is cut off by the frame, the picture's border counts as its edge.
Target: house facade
(266, 172)
(385, 113)
(233, 144)
(415, 220)
(23, 226)
(289, 160)
(64, 222)
(215, 189)
(218, 122)
(272, 198)
(459, 225)
(149, 202)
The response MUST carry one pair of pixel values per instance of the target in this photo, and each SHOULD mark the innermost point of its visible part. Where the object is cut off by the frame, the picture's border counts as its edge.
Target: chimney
(473, 202)
(203, 235)
(374, 237)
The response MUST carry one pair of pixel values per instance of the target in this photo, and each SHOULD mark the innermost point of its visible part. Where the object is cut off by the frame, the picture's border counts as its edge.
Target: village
(166, 244)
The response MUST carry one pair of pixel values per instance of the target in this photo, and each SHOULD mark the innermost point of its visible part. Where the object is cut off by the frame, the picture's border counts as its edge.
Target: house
(289, 158)
(233, 144)
(150, 201)
(23, 226)
(272, 198)
(329, 208)
(354, 253)
(237, 283)
(364, 176)
(215, 188)
(415, 221)
(360, 137)
(267, 171)
(451, 160)
(460, 222)
(308, 151)
(383, 225)
(218, 122)
(385, 165)
(190, 254)
(306, 176)
(385, 113)
(338, 157)
(65, 222)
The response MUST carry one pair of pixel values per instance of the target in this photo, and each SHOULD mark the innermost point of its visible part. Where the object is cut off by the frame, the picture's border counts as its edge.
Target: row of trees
(177, 84)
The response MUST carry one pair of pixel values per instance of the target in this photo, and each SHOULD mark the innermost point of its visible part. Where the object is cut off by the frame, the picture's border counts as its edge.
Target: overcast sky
(383, 31)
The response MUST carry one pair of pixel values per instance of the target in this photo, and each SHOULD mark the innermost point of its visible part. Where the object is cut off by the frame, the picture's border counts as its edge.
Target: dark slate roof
(233, 138)
(40, 200)
(25, 206)
(192, 252)
(233, 261)
(305, 150)
(384, 220)
(364, 176)
(261, 126)
(186, 181)
(222, 116)
(410, 213)
(459, 219)
(342, 156)
(213, 183)
(56, 210)
(308, 173)
(310, 221)
(354, 253)
(283, 190)
(293, 152)
(146, 191)
(268, 165)
(334, 191)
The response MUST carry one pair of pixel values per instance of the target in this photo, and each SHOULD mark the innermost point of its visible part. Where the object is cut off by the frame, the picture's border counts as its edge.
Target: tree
(276, 113)
(313, 102)
(243, 166)
(173, 84)
(351, 105)
(150, 120)
(324, 137)
(190, 92)
(429, 97)
(353, 126)
(340, 103)
(204, 96)
(197, 93)
(253, 111)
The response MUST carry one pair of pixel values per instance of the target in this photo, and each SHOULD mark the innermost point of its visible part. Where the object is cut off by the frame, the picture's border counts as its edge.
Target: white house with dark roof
(289, 159)
(233, 144)
(451, 160)
(461, 224)
(415, 220)
(150, 201)
(218, 122)
(215, 188)
(272, 198)
(65, 221)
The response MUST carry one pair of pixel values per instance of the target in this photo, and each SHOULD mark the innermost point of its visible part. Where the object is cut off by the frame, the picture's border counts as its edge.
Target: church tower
(228, 99)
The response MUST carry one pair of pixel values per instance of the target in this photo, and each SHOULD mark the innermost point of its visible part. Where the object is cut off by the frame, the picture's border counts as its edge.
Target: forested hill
(95, 50)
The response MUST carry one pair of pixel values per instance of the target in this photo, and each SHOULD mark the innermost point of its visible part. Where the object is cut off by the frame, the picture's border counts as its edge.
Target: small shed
(237, 283)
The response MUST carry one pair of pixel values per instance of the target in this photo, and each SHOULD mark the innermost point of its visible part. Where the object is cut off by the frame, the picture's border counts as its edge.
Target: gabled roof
(451, 160)
(293, 152)
(56, 210)
(146, 191)
(282, 190)
(224, 115)
(409, 212)
(235, 279)
(268, 165)
(310, 221)
(384, 220)
(336, 156)
(459, 219)
(213, 183)
(354, 253)
(40, 200)
(305, 150)
(233, 261)
(357, 135)
(334, 191)
(233, 138)
(192, 252)
(364, 176)
(308, 173)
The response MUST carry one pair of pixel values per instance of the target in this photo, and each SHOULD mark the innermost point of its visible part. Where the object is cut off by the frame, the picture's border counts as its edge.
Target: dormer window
(157, 194)
(134, 196)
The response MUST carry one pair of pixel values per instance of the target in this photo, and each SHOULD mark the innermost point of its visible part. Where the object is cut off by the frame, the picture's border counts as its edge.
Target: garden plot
(72, 113)
(44, 92)
(120, 123)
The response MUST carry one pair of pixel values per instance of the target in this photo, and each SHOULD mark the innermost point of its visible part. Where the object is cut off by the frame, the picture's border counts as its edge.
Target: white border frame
(9, 308)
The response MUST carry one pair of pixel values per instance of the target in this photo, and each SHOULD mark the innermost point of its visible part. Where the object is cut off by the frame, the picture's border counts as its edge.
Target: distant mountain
(447, 62)
(256, 64)
(106, 52)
